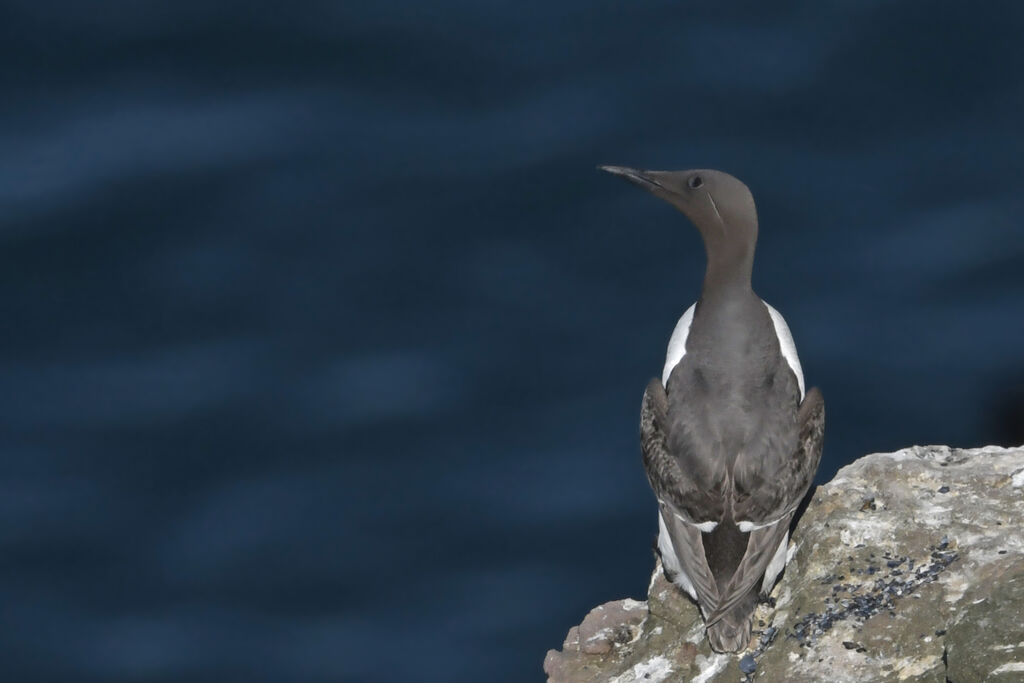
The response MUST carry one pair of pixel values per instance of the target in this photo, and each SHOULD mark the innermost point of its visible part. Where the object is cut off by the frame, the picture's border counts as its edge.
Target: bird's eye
(695, 181)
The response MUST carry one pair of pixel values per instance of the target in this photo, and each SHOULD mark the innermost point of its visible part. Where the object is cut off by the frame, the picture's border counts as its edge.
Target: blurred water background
(324, 342)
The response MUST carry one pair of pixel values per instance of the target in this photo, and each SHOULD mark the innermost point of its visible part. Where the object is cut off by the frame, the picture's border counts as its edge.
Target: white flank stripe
(788, 347)
(778, 561)
(677, 344)
(671, 562)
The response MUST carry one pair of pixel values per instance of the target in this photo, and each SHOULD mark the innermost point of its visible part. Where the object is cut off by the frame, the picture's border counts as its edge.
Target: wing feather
(794, 451)
(761, 547)
(677, 494)
(693, 500)
(795, 479)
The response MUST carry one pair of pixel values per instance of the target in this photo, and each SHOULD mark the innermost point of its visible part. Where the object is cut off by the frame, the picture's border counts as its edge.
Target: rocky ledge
(908, 566)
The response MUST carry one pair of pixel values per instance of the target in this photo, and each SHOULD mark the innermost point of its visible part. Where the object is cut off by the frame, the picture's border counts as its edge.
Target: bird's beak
(645, 179)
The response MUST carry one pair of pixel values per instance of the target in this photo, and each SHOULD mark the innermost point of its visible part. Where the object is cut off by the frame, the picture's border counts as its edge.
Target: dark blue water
(324, 342)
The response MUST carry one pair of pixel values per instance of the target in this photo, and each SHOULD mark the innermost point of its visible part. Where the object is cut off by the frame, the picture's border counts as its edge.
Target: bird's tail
(731, 633)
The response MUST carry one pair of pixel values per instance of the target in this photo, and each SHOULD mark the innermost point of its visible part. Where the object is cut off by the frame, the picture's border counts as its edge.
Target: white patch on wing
(746, 527)
(677, 344)
(787, 345)
(671, 562)
(779, 560)
(705, 527)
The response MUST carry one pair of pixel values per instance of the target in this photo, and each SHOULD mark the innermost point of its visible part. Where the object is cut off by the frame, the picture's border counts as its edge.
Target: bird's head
(719, 205)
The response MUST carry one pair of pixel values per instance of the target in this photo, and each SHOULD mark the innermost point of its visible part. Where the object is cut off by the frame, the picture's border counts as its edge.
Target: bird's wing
(761, 546)
(773, 483)
(695, 493)
(785, 490)
(678, 495)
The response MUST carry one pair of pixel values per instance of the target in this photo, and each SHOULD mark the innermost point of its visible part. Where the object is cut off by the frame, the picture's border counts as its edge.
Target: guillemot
(730, 439)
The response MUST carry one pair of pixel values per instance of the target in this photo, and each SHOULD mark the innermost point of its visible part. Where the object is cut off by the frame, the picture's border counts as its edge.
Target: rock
(908, 566)
(572, 639)
(987, 643)
(612, 622)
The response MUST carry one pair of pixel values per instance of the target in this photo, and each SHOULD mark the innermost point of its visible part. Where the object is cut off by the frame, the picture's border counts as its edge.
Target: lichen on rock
(907, 566)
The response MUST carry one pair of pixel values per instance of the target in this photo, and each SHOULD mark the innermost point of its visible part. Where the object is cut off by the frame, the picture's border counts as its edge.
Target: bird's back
(732, 399)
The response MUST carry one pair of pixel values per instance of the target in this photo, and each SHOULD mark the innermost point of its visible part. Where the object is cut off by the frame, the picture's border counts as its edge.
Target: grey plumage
(730, 445)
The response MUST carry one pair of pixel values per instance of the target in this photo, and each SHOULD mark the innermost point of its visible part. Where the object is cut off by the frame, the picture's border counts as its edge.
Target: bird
(730, 440)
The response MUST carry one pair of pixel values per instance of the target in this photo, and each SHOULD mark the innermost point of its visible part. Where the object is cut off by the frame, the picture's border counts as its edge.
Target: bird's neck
(728, 274)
